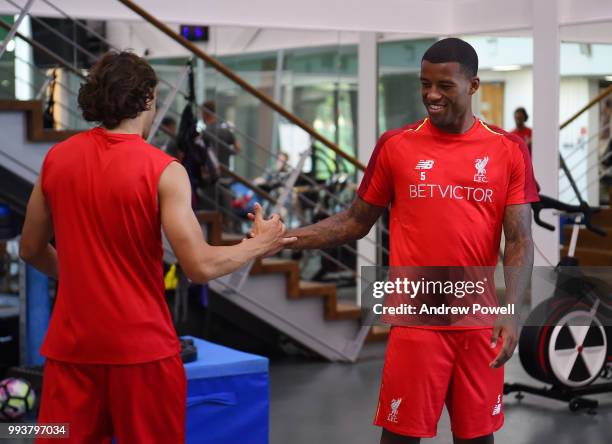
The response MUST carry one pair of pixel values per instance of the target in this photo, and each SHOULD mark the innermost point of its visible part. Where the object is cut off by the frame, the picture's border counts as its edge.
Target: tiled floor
(315, 402)
(322, 403)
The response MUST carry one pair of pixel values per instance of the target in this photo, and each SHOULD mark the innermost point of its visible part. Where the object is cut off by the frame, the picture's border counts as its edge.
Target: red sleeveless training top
(110, 308)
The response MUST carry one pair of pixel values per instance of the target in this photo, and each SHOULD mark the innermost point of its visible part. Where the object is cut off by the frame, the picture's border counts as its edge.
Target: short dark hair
(520, 109)
(454, 50)
(209, 106)
(119, 86)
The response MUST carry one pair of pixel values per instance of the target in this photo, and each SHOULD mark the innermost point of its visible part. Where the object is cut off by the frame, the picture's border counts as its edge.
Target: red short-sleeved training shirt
(447, 191)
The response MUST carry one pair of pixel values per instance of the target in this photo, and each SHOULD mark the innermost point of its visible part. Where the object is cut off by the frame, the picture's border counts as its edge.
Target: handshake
(270, 233)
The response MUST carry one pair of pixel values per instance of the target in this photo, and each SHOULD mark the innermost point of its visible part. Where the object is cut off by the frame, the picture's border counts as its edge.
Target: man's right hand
(270, 232)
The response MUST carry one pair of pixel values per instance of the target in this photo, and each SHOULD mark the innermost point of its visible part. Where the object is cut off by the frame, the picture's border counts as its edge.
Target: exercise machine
(566, 341)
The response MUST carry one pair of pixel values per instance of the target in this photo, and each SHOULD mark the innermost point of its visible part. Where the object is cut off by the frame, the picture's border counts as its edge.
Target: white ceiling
(416, 17)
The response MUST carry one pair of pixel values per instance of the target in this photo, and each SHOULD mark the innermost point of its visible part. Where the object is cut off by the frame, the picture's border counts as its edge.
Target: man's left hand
(507, 328)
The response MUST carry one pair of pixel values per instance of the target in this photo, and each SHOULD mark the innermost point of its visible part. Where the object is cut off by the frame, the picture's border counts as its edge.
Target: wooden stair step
(296, 288)
(277, 265)
(378, 333)
(343, 310)
(209, 217)
(603, 218)
(316, 289)
(34, 123)
(588, 239)
(228, 239)
(213, 222)
(591, 257)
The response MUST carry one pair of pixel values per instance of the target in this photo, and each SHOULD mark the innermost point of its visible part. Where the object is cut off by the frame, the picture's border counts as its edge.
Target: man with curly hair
(113, 358)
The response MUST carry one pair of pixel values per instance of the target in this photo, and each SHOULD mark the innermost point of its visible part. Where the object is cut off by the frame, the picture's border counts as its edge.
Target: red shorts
(137, 403)
(425, 369)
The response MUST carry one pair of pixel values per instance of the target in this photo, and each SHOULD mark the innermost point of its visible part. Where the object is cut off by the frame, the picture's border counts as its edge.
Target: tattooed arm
(518, 254)
(348, 225)
(518, 265)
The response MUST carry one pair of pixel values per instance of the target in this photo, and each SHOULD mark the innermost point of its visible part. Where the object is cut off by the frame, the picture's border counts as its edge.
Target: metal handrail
(56, 57)
(595, 100)
(68, 66)
(303, 176)
(241, 82)
(585, 143)
(572, 184)
(49, 53)
(231, 76)
(56, 32)
(302, 220)
(586, 173)
(26, 167)
(236, 218)
(46, 76)
(62, 105)
(269, 198)
(79, 24)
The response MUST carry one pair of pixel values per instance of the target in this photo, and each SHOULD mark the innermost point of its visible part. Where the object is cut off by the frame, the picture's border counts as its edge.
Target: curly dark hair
(119, 86)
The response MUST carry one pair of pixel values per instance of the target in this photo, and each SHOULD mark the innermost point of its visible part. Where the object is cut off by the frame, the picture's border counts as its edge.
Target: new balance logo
(497, 408)
(395, 403)
(424, 165)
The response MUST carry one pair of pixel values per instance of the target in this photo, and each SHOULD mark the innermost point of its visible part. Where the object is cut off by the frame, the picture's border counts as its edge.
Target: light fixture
(506, 68)
(10, 46)
(608, 78)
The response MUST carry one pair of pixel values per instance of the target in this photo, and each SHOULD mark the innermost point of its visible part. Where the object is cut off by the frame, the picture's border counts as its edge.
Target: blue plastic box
(227, 396)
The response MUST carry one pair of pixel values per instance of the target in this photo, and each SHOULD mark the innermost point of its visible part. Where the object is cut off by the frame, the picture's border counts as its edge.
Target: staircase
(24, 144)
(593, 250)
(307, 311)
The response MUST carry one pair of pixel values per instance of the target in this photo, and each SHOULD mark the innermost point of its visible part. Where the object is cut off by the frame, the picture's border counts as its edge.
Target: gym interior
(288, 101)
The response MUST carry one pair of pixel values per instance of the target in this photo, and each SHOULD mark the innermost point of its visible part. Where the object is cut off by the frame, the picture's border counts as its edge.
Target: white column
(278, 98)
(367, 131)
(23, 70)
(546, 54)
(200, 81)
(592, 148)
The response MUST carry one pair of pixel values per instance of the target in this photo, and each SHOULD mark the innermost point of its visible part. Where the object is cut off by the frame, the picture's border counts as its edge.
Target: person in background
(219, 139)
(274, 177)
(165, 139)
(218, 135)
(522, 130)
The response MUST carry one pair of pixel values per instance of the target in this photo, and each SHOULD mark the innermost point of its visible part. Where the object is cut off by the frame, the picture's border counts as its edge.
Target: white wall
(496, 51)
(574, 94)
(493, 51)
(518, 91)
(579, 59)
(442, 17)
(139, 37)
(578, 139)
(376, 16)
(17, 153)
